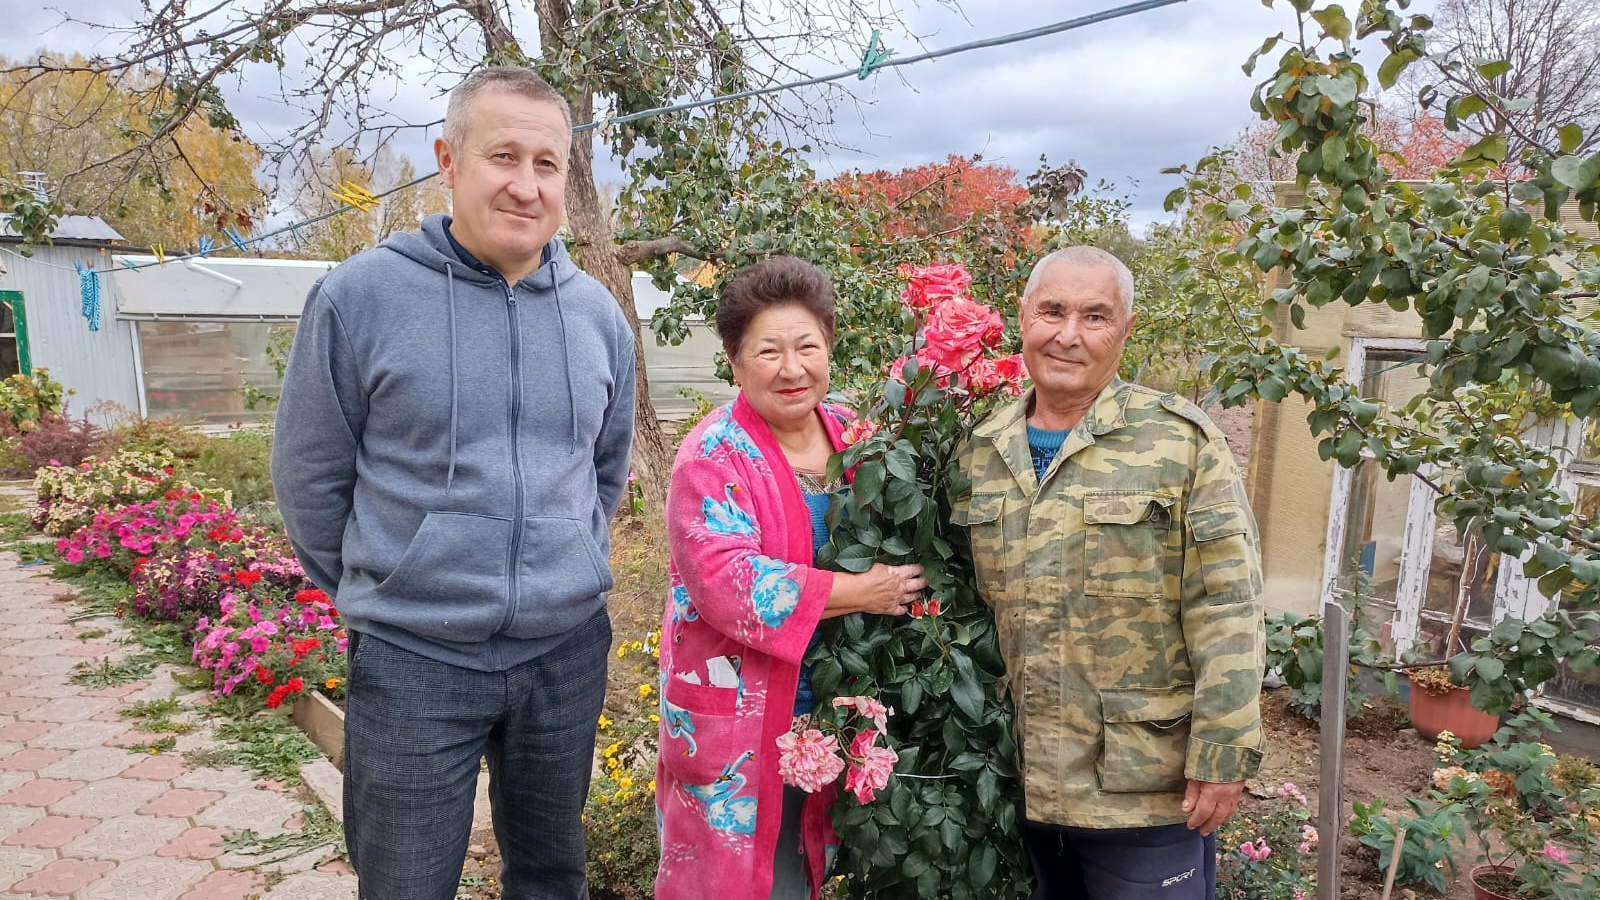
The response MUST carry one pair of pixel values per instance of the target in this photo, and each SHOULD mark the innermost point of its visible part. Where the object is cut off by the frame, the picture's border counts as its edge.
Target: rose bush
(944, 824)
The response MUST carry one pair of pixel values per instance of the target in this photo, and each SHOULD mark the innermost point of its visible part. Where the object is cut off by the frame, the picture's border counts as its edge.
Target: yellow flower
(604, 722)
(622, 651)
(645, 690)
(613, 765)
(652, 785)
(655, 718)
(624, 782)
(636, 646)
(612, 750)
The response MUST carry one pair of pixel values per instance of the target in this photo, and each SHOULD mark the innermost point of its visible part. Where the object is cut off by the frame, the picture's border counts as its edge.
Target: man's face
(1073, 329)
(508, 180)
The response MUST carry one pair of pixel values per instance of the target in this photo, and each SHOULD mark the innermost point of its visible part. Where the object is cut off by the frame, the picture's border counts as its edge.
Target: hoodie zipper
(514, 553)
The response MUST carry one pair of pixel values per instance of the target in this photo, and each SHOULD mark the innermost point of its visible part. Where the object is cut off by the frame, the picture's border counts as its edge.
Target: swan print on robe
(727, 517)
(775, 594)
(682, 611)
(725, 432)
(676, 721)
(724, 811)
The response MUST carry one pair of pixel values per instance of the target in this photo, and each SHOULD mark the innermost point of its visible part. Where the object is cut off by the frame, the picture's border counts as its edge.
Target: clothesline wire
(859, 72)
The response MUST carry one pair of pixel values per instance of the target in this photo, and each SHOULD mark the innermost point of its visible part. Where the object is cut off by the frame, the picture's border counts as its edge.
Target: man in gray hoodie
(452, 441)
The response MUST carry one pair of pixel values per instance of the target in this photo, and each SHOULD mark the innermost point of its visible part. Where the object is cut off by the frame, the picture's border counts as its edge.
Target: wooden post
(1330, 788)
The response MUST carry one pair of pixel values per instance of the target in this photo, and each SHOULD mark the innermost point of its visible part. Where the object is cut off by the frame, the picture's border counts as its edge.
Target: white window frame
(1515, 594)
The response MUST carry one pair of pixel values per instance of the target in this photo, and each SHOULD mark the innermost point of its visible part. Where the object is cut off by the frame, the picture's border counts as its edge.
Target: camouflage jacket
(1126, 589)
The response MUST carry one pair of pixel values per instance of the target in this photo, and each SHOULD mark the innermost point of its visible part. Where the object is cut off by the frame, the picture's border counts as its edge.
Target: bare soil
(1383, 760)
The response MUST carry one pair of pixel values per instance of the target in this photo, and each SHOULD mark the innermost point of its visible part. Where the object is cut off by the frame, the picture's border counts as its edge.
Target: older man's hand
(1209, 804)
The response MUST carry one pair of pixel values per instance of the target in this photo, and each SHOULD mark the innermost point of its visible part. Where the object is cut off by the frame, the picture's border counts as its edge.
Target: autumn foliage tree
(92, 134)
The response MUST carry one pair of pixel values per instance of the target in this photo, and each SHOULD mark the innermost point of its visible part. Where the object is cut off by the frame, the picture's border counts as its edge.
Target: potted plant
(1536, 814)
(1441, 703)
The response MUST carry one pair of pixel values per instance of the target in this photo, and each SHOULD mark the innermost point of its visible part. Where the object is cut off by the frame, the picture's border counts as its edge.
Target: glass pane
(1460, 571)
(1374, 532)
(1581, 690)
(198, 371)
(1393, 376)
(10, 363)
(8, 322)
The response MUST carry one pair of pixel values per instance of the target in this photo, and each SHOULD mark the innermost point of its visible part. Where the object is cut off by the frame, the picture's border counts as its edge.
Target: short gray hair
(1085, 257)
(511, 80)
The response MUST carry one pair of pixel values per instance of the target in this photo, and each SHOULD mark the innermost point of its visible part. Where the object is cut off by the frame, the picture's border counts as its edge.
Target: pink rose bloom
(1013, 371)
(958, 330)
(871, 766)
(1556, 854)
(867, 707)
(809, 760)
(858, 431)
(983, 377)
(928, 286)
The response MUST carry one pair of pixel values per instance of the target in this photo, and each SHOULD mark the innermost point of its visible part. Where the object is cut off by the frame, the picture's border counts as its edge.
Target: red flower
(916, 609)
(933, 607)
(858, 431)
(275, 699)
(1014, 371)
(225, 577)
(295, 685)
(263, 674)
(958, 330)
(311, 595)
(247, 578)
(932, 284)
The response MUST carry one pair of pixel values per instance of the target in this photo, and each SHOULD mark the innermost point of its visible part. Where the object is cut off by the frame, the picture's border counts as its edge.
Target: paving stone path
(83, 816)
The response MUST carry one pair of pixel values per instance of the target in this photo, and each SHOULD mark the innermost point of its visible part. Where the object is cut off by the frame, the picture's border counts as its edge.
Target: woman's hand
(883, 589)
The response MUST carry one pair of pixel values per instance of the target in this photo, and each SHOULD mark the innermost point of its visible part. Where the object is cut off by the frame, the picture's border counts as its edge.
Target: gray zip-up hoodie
(449, 451)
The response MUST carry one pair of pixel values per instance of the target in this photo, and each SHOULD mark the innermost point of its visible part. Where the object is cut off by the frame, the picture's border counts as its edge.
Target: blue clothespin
(232, 234)
(129, 264)
(206, 243)
(875, 56)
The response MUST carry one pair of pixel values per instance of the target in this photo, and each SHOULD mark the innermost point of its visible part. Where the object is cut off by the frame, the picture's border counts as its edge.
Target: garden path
(83, 816)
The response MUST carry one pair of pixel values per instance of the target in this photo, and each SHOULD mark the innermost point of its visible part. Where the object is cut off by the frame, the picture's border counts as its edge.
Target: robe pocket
(700, 734)
(1125, 543)
(1146, 739)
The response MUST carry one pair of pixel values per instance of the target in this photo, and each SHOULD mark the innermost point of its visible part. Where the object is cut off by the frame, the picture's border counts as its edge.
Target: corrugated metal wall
(97, 366)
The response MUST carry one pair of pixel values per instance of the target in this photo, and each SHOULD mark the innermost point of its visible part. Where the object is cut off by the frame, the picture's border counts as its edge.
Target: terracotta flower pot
(1451, 711)
(1498, 879)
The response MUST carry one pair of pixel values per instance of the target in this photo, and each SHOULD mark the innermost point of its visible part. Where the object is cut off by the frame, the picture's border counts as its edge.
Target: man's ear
(445, 155)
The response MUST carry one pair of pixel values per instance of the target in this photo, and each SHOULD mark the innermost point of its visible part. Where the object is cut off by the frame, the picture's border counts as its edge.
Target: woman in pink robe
(743, 524)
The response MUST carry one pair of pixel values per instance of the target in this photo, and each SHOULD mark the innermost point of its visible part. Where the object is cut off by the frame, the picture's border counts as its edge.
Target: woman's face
(782, 365)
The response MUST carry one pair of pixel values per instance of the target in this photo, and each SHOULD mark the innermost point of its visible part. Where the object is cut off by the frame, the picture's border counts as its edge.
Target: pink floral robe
(744, 589)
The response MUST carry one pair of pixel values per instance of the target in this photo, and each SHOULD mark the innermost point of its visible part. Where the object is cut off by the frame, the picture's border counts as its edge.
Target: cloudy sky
(1123, 98)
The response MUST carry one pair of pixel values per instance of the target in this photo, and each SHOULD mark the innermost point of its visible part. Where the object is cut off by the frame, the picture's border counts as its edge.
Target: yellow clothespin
(352, 194)
(161, 257)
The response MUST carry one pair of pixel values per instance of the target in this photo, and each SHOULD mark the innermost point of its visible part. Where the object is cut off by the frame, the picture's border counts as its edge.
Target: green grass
(159, 745)
(106, 673)
(318, 829)
(92, 633)
(267, 746)
(156, 716)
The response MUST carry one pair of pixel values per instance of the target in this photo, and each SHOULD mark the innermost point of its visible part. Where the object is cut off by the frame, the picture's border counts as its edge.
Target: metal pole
(1330, 788)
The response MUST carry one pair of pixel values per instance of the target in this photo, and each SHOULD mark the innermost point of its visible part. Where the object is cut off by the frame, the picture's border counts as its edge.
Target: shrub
(620, 814)
(187, 583)
(29, 399)
(118, 538)
(239, 463)
(182, 442)
(1269, 854)
(68, 497)
(262, 642)
(52, 440)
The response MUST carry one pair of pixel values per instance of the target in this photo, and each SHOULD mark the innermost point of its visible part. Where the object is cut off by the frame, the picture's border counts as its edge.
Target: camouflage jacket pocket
(1125, 543)
(980, 515)
(1224, 539)
(1146, 739)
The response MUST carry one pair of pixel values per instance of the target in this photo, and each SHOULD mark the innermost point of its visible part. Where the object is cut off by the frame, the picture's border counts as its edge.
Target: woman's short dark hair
(780, 281)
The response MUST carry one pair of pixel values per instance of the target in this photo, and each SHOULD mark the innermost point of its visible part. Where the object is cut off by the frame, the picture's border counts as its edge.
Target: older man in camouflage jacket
(1113, 540)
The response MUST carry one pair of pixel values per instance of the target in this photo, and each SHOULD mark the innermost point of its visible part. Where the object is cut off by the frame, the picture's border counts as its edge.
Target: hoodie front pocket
(451, 582)
(560, 565)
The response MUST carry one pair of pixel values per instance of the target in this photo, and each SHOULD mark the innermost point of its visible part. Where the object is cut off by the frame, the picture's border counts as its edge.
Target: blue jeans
(415, 732)
(1162, 862)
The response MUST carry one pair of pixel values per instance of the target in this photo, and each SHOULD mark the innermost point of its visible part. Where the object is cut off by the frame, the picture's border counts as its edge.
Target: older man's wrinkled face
(1074, 326)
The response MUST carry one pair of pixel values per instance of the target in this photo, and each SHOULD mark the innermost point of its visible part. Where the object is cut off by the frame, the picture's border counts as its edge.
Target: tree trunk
(597, 250)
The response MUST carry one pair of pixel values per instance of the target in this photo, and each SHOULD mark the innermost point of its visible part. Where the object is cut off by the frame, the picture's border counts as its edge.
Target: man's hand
(1209, 804)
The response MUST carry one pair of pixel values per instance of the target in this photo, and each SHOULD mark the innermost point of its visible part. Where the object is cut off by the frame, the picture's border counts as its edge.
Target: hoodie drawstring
(566, 364)
(450, 282)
